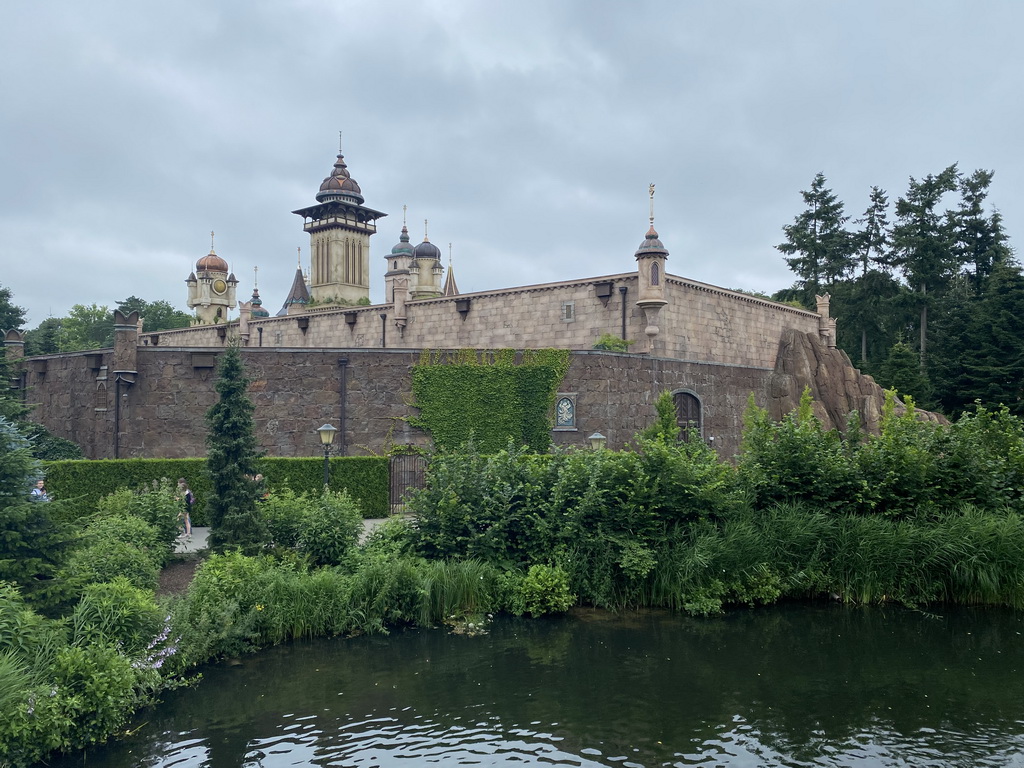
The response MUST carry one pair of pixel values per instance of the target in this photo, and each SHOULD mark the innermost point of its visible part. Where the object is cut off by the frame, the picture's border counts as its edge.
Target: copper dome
(211, 262)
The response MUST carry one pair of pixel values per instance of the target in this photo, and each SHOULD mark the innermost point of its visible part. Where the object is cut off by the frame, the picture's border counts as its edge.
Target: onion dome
(651, 245)
(211, 262)
(403, 248)
(340, 185)
(257, 304)
(426, 251)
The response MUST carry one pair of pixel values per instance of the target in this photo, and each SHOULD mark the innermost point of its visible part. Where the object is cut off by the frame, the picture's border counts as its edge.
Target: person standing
(187, 499)
(38, 493)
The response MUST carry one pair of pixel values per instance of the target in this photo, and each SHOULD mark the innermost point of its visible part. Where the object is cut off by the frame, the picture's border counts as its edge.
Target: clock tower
(211, 289)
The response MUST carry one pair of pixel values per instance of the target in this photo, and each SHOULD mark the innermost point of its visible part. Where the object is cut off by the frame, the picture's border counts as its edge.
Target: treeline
(929, 295)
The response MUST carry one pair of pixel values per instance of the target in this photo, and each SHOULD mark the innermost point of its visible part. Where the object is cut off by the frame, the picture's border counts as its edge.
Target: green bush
(544, 590)
(117, 613)
(106, 560)
(283, 511)
(330, 529)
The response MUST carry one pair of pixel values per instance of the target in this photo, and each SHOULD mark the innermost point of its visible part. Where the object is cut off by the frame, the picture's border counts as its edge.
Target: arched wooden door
(688, 416)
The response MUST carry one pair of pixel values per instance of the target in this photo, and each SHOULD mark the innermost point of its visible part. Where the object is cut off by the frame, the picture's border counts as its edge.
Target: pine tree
(980, 242)
(901, 371)
(231, 461)
(33, 544)
(872, 239)
(818, 247)
(995, 364)
(922, 242)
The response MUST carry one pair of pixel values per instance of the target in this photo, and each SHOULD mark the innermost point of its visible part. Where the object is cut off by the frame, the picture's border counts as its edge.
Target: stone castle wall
(699, 323)
(367, 392)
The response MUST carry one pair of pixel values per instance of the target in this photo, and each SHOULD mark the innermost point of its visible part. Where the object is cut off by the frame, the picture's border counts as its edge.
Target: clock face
(219, 286)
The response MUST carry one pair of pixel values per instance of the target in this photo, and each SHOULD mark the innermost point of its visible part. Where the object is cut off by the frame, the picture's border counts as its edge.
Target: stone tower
(650, 266)
(426, 269)
(211, 288)
(339, 229)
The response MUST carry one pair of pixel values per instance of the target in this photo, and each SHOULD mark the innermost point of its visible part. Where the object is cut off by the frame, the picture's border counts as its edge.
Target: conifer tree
(922, 241)
(818, 246)
(872, 239)
(901, 371)
(33, 543)
(231, 461)
(996, 351)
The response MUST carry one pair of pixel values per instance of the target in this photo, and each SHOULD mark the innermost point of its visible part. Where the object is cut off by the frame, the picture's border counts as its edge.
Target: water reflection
(786, 686)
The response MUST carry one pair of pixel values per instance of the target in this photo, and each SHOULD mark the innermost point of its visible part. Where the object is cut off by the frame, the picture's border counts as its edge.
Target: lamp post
(597, 441)
(327, 433)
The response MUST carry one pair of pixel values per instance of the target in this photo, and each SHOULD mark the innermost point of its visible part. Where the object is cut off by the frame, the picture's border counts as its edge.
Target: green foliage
(666, 425)
(46, 446)
(543, 590)
(488, 398)
(364, 477)
(156, 315)
(12, 317)
(157, 504)
(231, 461)
(64, 690)
(33, 542)
(117, 613)
(795, 459)
(612, 343)
(330, 528)
(87, 327)
(901, 371)
(106, 559)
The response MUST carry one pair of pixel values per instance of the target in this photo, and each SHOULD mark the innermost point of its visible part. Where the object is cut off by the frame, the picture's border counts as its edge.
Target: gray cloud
(525, 132)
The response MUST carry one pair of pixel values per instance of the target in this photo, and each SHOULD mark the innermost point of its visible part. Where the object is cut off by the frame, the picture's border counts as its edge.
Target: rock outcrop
(836, 386)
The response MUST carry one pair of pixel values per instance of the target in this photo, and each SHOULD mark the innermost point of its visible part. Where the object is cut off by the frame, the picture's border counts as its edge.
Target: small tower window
(655, 273)
(568, 311)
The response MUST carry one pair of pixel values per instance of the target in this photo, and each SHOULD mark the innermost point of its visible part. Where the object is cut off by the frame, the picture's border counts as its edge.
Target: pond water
(824, 685)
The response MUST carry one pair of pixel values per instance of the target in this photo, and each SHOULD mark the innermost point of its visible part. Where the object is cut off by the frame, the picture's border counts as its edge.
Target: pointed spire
(299, 249)
(450, 288)
(211, 242)
(256, 278)
(425, 238)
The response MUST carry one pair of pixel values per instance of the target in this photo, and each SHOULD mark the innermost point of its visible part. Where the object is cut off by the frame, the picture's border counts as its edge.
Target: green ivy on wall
(488, 396)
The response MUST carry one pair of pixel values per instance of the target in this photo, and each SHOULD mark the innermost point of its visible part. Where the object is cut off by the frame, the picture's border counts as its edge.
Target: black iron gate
(407, 472)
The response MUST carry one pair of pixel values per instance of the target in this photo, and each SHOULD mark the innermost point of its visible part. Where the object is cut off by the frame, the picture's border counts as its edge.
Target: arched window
(688, 416)
(655, 273)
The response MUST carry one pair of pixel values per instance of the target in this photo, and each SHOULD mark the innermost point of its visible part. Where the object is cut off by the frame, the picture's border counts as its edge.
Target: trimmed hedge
(364, 477)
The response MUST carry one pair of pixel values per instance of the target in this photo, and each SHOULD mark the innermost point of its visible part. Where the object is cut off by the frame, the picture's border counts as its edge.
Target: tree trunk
(924, 323)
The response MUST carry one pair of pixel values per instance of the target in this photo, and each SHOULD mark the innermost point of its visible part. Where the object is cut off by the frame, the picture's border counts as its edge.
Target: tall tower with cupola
(211, 288)
(650, 265)
(339, 227)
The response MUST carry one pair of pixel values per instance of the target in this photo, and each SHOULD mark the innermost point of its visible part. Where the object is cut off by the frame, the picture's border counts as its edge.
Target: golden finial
(425, 238)
(650, 191)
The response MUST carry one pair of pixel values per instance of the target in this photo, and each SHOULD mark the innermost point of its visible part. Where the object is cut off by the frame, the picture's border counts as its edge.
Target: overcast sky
(526, 132)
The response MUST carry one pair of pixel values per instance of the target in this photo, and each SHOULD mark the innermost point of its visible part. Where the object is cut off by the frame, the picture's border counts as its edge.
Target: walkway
(200, 534)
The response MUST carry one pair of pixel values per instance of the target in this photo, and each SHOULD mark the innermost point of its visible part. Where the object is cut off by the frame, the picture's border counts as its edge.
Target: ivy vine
(488, 396)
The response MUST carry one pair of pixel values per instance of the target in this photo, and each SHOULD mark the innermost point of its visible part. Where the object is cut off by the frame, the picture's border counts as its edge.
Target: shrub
(283, 512)
(117, 613)
(330, 528)
(108, 559)
(544, 590)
